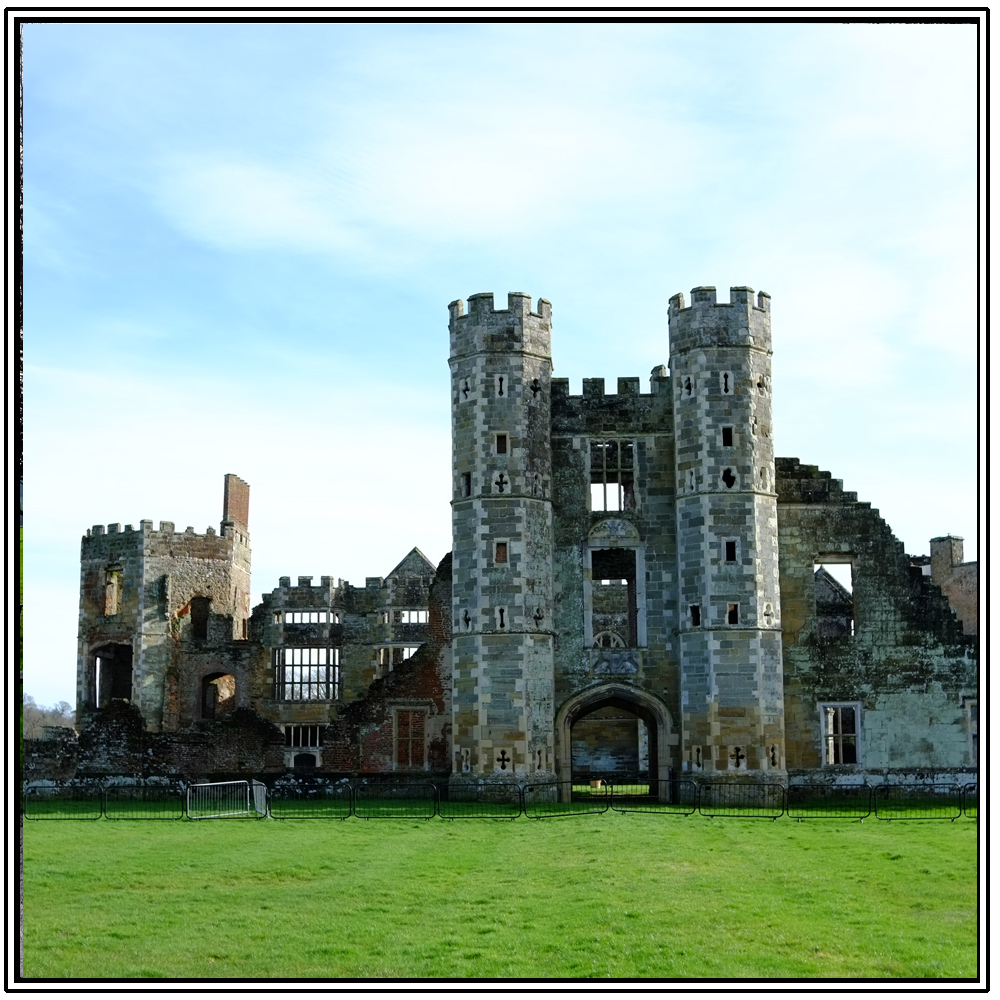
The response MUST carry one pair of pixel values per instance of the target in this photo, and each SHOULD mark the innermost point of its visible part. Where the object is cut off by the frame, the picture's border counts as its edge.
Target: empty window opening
(304, 736)
(730, 551)
(695, 615)
(688, 387)
(113, 590)
(501, 553)
(307, 673)
(244, 628)
(304, 761)
(614, 609)
(466, 484)
(410, 736)
(411, 616)
(112, 675)
(501, 444)
(612, 475)
(729, 479)
(733, 614)
(727, 437)
(834, 590)
(390, 657)
(218, 696)
(840, 733)
(200, 608)
(311, 617)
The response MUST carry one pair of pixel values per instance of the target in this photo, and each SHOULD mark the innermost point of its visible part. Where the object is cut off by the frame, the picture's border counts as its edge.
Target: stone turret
(502, 538)
(727, 528)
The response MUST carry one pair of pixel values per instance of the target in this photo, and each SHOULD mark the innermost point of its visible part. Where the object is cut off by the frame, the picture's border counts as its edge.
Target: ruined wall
(908, 667)
(958, 580)
(363, 738)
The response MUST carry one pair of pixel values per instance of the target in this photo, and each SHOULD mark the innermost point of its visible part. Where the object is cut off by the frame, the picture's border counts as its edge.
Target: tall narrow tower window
(729, 479)
(466, 484)
(731, 552)
(727, 437)
(501, 553)
(612, 475)
(501, 444)
(733, 615)
(200, 607)
(695, 615)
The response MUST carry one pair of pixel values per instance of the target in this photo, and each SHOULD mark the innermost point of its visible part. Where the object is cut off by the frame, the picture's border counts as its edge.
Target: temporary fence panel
(744, 801)
(143, 802)
(918, 802)
(480, 800)
(829, 801)
(219, 800)
(63, 802)
(412, 800)
(564, 798)
(311, 802)
(677, 797)
(970, 801)
(258, 791)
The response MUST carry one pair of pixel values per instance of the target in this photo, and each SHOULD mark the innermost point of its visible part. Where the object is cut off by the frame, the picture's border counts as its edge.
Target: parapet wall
(515, 329)
(707, 323)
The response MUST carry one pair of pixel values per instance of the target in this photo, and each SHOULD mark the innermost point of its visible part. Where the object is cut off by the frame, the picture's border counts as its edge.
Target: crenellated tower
(502, 644)
(727, 534)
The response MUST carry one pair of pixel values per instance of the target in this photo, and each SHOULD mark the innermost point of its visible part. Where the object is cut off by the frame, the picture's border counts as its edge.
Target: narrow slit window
(466, 484)
(730, 551)
(695, 615)
(727, 437)
(501, 444)
(733, 615)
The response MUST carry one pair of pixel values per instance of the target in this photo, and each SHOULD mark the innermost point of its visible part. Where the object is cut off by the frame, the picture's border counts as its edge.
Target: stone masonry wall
(908, 665)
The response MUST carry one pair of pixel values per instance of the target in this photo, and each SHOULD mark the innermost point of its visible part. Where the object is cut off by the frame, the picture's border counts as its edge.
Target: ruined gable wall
(908, 663)
(360, 740)
(646, 419)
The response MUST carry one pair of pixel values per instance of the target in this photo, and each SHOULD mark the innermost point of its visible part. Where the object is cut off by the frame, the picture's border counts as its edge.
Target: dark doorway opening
(112, 674)
(614, 738)
(218, 695)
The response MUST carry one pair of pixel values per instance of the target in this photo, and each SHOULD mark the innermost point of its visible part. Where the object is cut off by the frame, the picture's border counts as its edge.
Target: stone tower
(502, 645)
(727, 534)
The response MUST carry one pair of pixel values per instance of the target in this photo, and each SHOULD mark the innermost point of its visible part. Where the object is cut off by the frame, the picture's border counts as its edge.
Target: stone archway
(641, 704)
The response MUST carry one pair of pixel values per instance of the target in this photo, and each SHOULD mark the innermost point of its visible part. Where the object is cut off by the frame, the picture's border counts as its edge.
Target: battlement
(486, 329)
(740, 322)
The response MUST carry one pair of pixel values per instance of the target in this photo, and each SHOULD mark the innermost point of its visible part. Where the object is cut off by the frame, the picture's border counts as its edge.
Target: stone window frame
(309, 689)
(629, 502)
(288, 616)
(411, 709)
(386, 660)
(824, 709)
(501, 563)
(399, 615)
(508, 444)
(313, 730)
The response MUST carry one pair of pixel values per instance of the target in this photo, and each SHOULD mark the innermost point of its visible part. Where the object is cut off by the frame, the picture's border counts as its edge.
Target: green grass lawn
(587, 896)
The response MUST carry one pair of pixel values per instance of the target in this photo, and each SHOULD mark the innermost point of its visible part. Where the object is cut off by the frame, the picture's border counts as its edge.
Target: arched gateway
(642, 704)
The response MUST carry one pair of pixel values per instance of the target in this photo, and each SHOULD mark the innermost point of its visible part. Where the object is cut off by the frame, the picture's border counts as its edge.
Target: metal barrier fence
(384, 800)
(480, 800)
(321, 802)
(918, 802)
(63, 802)
(746, 801)
(224, 800)
(668, 797)
(143, 802)
(564, 798)
(970, 794)
(828, 802)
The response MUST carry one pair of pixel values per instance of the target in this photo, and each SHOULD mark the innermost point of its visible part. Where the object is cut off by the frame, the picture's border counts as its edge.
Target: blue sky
(241, 240)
